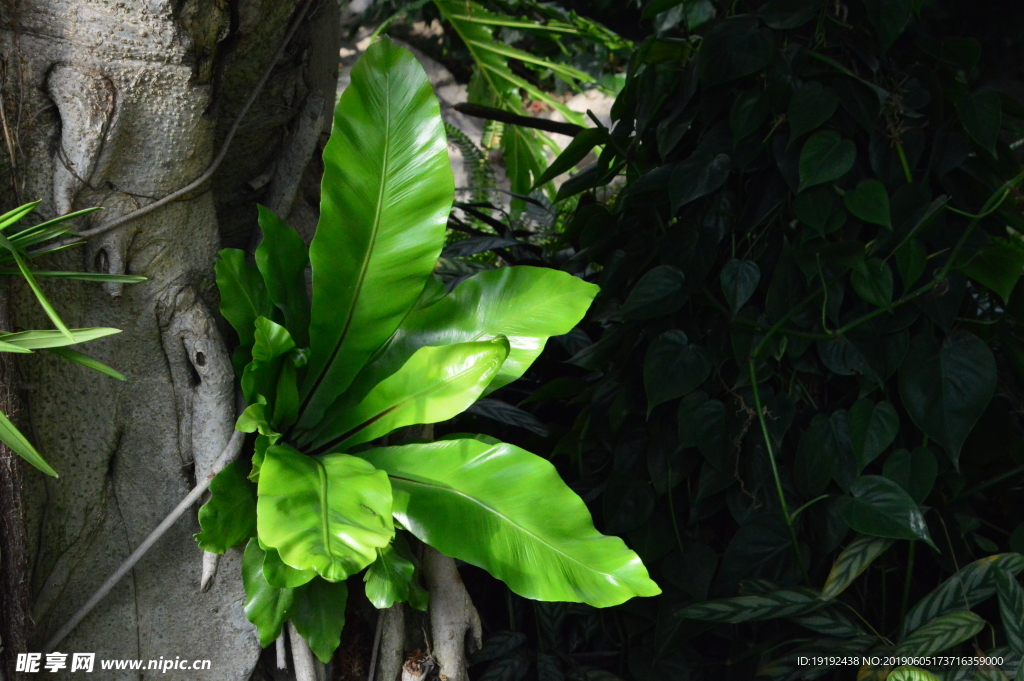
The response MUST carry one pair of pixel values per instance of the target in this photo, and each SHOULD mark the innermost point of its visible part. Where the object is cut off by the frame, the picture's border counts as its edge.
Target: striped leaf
(911, 674)
(941, 634)
(854, 559)
(973, 584)
(1011, 608)
(829, 622)
(779, 603)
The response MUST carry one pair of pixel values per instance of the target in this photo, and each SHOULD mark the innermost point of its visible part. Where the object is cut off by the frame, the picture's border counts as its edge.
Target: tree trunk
(117, 103)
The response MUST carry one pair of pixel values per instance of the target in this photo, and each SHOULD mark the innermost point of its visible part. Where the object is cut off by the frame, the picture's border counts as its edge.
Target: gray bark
(117, 103)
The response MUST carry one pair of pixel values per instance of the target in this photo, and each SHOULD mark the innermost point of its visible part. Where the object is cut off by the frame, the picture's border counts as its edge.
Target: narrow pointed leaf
(84, 276)
(229, 517)
(507, 511)
(325, 513)
(854, 559)
(941, 634)
(265, 606)
(34, 285)
(86, 361)
(13, 438)
(12, 216)
(1011, 608)
(37, 340)
(434, 385)
(318, 613)
(282, 259)
(769, 605)
(386, 194)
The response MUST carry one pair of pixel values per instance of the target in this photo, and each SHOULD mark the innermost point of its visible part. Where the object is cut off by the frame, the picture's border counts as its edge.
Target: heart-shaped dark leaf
(748, 112)
(659, 292)
(913, 471)
(735, 47)
(880, 508)
(945, 388)
(873, 427)
(997, 266)
(673, 368)
(739, 280)
(784, 14)
(869, 202)
(981, 115)
(889, 18)
(872, 281)
(697, 176)
(809, 107)
(819, 209)
(825, 157)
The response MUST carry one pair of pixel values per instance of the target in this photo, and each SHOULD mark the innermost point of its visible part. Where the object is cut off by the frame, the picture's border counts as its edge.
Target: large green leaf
(434, 385)
(945, 388)
(325, 513)
(507, 511)
(280, 575)
(243, 293)
(880, 508)
(265, 606)
(391, 579)
(527, 305)
(385, 198)
(968, 587)
(229, 517)
(318, 613)
(282, 259)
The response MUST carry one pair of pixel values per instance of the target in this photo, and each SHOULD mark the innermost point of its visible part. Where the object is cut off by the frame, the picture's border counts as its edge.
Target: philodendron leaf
(265, 606)
(854, 559)
(913, 471)
(809, 107)
(659, 292)
(825, 157)
(697, 176)
(739, 280)
(673, 367)
(434, 385)
(873, 427)
(946, 388)
(880, 508)
(386, 193)
(768, 605)
(869, 202)
(981, 115)
(318, 613)
(527, 305)
(1011, 608)
(872, 280)
(968, 587)
(243, 293)
(941, 634)
(229, 517)
(507, 511)
(390, 579)
(326, 513)
(282, 258)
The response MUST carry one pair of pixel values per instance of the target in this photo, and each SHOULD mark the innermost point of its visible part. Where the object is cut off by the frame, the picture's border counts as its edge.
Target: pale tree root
(307, 667)
(454, 621)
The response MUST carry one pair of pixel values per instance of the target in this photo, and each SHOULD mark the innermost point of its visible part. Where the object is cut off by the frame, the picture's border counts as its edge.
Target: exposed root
(307, 667)
(454, 621)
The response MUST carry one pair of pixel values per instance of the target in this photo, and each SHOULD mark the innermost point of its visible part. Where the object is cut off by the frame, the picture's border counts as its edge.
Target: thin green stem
(775, 470)
(907, 581)
(798, 511)
(903, 162)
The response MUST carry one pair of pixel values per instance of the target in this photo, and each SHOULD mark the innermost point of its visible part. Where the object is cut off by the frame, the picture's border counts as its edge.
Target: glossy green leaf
(265, 606)
(914, 471)
(872, 280)
(527, 305)
(997, 266)
(581, 145)
(229, 517)
(825, 157)
(318, 613)
(243, 293)
(325, 513)
(1011, 608)
(869, 202)
(739, 279)
(37, 340)
(973, 584)
(86, 361)
(945, 388)
(279, 575)
(940, 634)
(768, 605)
(697, 176)
(659, 292)
(981, 115)
(880, 508)
(854, 560)
(385, 198)
(508, 511)
(261, 375)
(673, 367)
(873, 427)
(13, 438)
(282, 258)
(809, 107)
(435, 384)
(389, 579)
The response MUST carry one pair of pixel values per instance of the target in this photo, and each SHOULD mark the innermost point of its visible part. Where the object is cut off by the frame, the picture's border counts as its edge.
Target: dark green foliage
(798, 391)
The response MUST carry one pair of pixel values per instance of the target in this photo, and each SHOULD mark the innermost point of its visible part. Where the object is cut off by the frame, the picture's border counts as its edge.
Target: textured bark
(118, 103)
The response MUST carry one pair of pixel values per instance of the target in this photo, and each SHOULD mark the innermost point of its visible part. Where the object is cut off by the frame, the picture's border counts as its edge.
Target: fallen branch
(230, 452)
